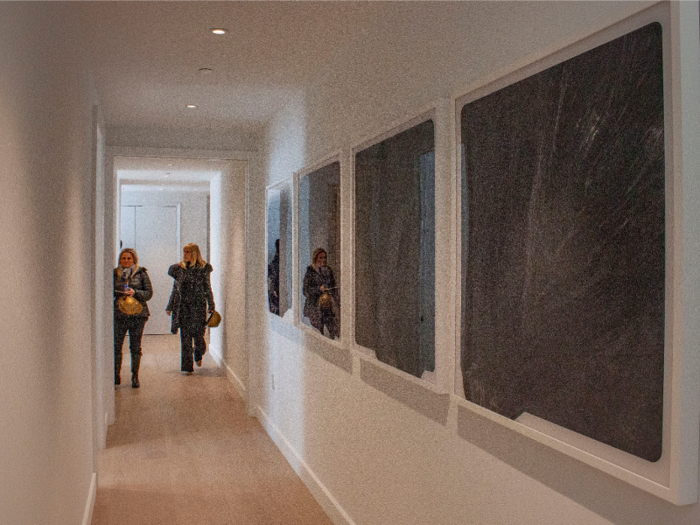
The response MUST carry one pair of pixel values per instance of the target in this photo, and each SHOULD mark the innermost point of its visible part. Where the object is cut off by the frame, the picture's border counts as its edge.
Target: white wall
(369, 458)
(46, 233)
(194, 212)
(228, 283)
(193, 226)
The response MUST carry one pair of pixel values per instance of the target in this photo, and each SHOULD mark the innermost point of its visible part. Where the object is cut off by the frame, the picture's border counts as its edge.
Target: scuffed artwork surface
(563, 245)
(395, 249)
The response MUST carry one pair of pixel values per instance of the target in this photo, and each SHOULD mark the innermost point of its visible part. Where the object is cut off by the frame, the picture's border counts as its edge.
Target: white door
(157, 243)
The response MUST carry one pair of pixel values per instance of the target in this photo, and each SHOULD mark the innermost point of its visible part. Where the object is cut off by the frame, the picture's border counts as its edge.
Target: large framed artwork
(564, 274)
(394, 234)
(279, 212)
(319, 248)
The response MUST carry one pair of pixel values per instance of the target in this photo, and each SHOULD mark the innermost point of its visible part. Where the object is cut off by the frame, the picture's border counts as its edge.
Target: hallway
(184, 451)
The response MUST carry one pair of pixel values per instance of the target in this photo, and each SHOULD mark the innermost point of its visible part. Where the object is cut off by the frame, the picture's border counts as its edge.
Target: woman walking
(130, 282)
(190, 303)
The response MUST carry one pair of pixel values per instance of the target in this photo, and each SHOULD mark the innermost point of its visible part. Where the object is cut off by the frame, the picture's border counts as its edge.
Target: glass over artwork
(563, 246)
(395, 249)
(279, 249)
(319, 249)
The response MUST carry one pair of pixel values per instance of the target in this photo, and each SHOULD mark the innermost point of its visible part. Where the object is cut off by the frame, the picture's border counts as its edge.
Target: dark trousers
(192, 341)
(134, 326)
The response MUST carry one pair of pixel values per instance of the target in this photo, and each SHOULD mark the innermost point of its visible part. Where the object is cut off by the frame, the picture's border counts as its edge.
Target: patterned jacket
(143, 291)
(191, 298)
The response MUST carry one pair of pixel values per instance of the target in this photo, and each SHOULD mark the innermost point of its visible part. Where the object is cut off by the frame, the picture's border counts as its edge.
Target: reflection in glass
(279, 249)
(319, 247)
(563, 279)
(395, 249)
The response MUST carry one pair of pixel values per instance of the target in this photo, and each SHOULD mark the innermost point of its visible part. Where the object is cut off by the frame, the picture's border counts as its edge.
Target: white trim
(674, 477)
(177, 153)
(320, 492)
(305, 172)
(396, 128)
(230, 374)
(291, 180)
(325, 161)
(682, 328)
(90, 504)
(347, 246)
(310, 331)
(437, 381)
(446, 246)
(429, 383)
(296, 283)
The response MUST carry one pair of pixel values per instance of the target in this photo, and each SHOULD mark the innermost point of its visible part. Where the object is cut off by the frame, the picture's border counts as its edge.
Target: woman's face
(126, 260)
(188, 255)
(321, 259)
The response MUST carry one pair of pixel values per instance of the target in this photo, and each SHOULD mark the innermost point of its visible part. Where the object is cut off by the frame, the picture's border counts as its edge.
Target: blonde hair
(317, 252)
(133, 255)
(196, 255)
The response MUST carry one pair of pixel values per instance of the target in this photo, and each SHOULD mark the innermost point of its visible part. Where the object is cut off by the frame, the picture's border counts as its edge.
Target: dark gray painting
(395, 249)
(563, 245)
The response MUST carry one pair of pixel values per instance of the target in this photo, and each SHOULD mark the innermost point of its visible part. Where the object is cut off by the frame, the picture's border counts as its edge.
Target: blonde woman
(190, 303)
(318, 280)
(131, 280)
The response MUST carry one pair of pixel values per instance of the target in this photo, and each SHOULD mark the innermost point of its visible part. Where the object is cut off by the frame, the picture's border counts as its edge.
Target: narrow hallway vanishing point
(183, 451)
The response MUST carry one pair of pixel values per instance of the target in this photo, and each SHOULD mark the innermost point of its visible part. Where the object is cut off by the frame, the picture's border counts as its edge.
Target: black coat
(143, 291)
(191, 298)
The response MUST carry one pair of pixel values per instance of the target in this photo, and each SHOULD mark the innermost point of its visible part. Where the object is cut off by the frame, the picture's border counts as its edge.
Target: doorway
(154, 232)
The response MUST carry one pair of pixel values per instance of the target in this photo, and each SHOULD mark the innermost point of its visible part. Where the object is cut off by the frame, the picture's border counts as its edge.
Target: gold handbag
(129, 305)
(325, 301)
(214, 319)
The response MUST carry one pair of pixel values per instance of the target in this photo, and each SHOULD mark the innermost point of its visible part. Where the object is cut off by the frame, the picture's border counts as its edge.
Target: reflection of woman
(321, 294)
(130, 280)
(190, 301)
(273, 281)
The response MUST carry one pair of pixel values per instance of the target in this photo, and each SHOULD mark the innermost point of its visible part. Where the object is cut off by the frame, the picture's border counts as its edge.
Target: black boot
(135, 363)
(117, 369)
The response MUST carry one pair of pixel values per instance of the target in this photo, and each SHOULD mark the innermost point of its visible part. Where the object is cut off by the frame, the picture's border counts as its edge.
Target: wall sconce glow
(219, 31)
(191, 106)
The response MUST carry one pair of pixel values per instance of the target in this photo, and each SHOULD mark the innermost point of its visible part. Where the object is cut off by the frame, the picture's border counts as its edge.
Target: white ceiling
(142, 173)
(145, 58)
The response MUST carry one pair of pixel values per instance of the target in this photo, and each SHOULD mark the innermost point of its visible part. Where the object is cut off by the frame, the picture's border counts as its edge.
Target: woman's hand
(130, 292)
(168, 312)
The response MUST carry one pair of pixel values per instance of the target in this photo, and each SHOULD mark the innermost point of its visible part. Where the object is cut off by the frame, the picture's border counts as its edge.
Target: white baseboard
(232, 376)
(319, 491)
(90, 504)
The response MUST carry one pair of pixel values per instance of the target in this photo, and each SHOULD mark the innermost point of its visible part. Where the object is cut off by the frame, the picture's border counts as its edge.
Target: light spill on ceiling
(146, 57)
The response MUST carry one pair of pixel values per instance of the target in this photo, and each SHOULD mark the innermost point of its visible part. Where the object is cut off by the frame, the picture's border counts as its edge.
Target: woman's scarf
(126, 273)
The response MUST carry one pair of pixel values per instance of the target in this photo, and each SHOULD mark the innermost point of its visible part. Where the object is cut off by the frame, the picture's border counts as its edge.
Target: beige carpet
(183, 451)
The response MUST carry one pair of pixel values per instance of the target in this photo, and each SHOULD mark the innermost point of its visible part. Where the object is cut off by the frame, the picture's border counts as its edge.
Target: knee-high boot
(135, 363)
(117, 369)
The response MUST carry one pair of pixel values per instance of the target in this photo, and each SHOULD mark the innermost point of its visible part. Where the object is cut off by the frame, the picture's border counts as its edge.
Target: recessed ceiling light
(191, 106)
(219, 30)
(160, 189)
